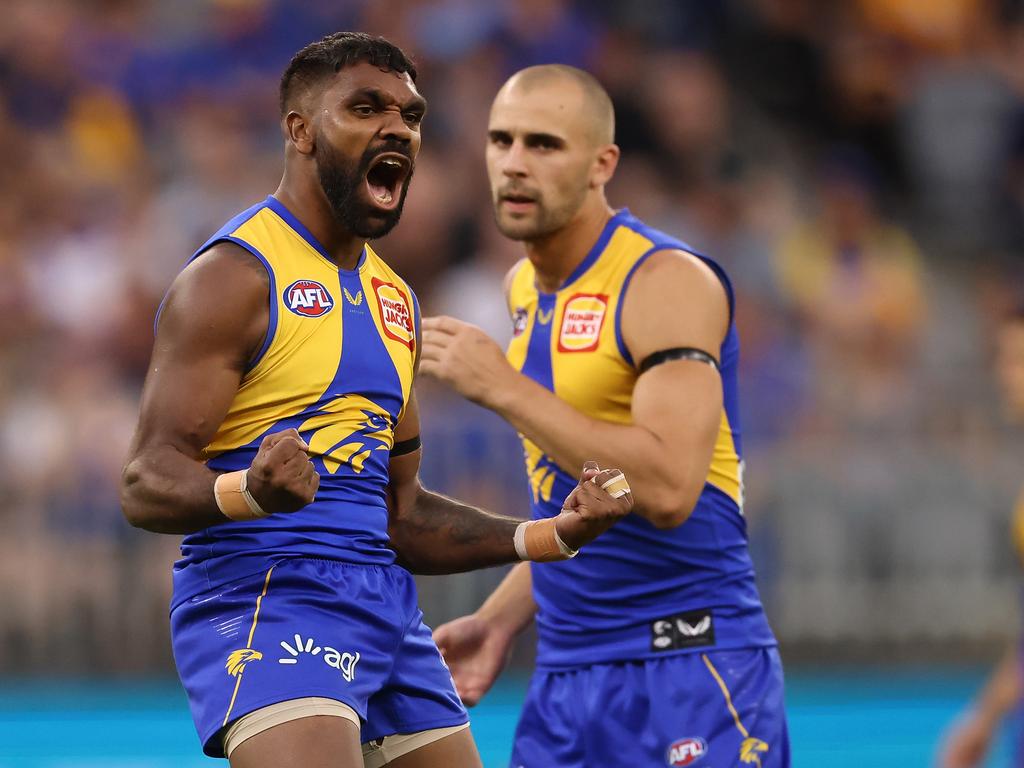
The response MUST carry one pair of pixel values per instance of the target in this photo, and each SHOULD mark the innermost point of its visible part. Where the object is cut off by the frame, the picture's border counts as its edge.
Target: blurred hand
(590, 510)
(463, 357)
(282, 478)
(476, 652)
(967, 744)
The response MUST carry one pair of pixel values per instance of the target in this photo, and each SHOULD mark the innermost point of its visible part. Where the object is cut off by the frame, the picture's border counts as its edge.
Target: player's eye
(502, 140)
(413, 118)
(363, 110)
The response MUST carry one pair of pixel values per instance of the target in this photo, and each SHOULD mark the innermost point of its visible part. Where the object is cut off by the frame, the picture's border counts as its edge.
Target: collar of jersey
(292, 221)
(596, 250)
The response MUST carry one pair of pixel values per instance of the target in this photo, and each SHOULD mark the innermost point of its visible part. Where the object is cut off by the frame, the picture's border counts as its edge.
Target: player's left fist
(465, 358)
(600, 500)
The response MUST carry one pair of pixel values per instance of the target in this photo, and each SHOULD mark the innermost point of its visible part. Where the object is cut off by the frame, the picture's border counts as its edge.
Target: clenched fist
(590, 510)
(282, 478)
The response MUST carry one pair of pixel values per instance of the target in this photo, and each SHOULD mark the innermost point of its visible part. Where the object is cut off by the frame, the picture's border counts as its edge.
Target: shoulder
(508, 284)
(681, 273)
(676, 299)
(222, 292)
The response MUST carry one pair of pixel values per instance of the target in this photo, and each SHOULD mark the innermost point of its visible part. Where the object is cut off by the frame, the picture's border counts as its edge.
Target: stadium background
(880, 473)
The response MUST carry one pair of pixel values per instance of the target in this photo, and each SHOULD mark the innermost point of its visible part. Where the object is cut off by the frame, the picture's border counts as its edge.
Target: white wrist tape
(538, 541)
(231, 490)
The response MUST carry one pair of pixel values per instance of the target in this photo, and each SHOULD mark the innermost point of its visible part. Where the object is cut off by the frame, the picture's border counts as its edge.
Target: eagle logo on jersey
(347, 431)
(395, 312)
(308, 298)
(238, 659)
(751, 750)
(540, 470)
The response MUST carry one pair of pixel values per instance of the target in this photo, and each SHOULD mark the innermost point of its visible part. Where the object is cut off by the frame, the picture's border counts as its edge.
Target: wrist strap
(539, 542)
(234, 499)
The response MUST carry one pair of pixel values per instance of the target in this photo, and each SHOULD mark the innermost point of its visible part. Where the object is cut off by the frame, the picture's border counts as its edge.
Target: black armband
(406, 446)
(677, 353)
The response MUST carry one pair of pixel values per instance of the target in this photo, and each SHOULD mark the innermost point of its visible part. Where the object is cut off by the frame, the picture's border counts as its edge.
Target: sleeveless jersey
(636, 591)
(337, 365)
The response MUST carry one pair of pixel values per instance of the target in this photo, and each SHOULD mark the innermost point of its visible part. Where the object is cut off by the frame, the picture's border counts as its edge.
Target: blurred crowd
(857, 166)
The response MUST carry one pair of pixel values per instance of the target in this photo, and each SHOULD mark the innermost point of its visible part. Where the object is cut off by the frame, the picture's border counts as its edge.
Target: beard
(546, 220)
(342, 183)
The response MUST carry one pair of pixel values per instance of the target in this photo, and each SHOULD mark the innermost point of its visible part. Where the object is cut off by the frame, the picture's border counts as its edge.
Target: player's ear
(605, 163)
(299, 131)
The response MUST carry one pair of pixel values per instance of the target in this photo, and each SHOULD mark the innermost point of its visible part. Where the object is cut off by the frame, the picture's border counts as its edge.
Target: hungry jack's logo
(395, 312)
(582, 320)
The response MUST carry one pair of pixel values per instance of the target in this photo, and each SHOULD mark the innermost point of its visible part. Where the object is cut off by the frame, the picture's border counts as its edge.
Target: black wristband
(677, 353)
(406, 446)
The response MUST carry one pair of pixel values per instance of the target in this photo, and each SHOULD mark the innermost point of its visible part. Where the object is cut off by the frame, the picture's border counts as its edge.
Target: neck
(556, 256)
(303, 196)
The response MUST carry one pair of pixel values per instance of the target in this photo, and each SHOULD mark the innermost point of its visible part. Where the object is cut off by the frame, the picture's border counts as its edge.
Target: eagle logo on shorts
(751, 750)
(238, 659)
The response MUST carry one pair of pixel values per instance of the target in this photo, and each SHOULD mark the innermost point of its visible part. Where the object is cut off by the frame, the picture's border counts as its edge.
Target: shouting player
(278, 430)
(653, 645)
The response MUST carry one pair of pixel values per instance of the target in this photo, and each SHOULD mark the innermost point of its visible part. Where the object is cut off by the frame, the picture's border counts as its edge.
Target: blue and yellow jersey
(636, 591)
(337, 365)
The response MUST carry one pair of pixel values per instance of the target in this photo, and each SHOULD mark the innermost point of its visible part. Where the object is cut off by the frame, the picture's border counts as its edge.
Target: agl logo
(308, 298)
(686, 751)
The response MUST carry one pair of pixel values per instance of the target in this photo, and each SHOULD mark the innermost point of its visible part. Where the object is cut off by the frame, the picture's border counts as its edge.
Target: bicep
(677, 302)
(214, 317)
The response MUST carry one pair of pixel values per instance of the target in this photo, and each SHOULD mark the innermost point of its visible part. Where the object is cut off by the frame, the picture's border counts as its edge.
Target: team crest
(308, 298)
(751, 750)
(519, 318)
(395, 312)
(686, 751)
(238, 659)
(582, 320)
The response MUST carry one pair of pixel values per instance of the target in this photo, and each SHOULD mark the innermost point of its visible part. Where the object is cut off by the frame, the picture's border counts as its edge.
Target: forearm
(164, 491)
(511, 607)
(661, 487)
(436, 534)
(1003, 689)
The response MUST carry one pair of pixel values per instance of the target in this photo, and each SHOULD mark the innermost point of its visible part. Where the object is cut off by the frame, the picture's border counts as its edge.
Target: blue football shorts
(307, 627)
(720, 709)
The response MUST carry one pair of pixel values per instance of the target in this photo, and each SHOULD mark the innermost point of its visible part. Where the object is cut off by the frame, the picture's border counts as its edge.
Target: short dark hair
(335, 52)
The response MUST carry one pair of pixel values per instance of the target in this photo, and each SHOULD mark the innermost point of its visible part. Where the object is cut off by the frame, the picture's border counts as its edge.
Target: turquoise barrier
(846, 720)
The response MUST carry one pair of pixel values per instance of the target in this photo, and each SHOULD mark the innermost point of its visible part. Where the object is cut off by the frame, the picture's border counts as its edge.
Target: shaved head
(597, 114)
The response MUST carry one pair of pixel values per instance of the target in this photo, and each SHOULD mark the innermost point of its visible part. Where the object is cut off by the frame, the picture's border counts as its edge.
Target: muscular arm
(674, 301)
(434, 534)
(212, 323)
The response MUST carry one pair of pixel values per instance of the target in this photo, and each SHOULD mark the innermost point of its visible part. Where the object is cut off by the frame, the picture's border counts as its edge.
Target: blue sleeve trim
(622, 300)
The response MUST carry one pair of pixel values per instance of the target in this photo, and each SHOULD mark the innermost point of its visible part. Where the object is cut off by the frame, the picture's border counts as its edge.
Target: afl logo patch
(395, 312)
(582, 320)
(519, 318)
(308, 298)
(686, 752)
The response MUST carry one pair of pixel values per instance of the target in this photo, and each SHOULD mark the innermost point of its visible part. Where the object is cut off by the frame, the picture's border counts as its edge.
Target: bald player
(653, 648)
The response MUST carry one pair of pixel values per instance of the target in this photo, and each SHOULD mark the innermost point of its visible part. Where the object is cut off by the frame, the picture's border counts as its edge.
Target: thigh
(437, 748)
(310, 742)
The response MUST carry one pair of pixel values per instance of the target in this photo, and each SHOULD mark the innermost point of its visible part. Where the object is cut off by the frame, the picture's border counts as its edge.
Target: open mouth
(385, 177)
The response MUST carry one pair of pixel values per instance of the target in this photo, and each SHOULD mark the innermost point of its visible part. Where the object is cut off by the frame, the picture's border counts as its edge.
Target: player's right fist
(282, 478)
